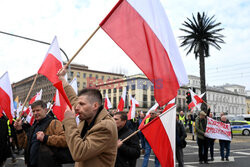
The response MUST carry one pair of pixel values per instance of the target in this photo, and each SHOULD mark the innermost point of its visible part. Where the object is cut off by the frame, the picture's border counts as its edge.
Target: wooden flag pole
(29, 92)
(82, 46)
(130, 135)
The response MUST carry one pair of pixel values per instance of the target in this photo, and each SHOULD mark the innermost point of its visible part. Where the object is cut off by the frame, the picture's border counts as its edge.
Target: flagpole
(130, 135)
(85, 43)
(29, 93)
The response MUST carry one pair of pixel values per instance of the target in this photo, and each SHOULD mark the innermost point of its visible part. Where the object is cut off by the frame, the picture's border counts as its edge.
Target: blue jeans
(224, 145)
(142, 138)
(147, 155)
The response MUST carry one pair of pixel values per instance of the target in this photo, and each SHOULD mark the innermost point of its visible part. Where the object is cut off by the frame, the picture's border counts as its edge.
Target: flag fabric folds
(154, 108)
(133, 104)
(60, 104)
(160, 134)
(196, 100)
(142, 30)
(6, 96)
(122, 100)
(51, 65)
(169, 105)
(107, 103)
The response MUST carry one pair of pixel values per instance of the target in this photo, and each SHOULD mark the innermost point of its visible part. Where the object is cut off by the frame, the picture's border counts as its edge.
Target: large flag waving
(142, 30)
(169, 105)
(38, 96)
(51, 65)
(160, 134)
(6, 96)
(122, 100)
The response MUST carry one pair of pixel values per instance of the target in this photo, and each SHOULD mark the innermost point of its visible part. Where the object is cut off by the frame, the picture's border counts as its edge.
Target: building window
(152, 88)
(127, 87)
(114, 102)
(114, 90)
(183, 92)
(104, 92)
(71, 73)
(78, 74)
(84, 75)
(96, 77)
(84, 84)
(90, 75)
(179, 92)
(102, 77)
(109, 90)
(144, 87)
(145, 101)
(78, 84)
(132, 87)
(120, 89)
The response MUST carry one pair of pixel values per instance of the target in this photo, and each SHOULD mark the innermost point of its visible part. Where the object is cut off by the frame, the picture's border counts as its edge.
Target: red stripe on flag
(121, 105)
(133, 35)
(157, 138)
(5, 104)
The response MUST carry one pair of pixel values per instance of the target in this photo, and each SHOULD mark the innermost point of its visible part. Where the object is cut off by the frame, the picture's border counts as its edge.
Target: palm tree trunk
(203, 79)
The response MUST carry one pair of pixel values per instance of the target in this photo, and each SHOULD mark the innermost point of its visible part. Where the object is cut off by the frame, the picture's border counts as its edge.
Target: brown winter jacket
(55, 134)
(98, 148)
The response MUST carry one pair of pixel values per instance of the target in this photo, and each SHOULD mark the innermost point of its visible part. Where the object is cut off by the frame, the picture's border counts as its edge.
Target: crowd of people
(98, 140)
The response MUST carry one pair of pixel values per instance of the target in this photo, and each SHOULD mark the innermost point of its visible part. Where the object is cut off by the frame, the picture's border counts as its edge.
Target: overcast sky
(72, 21)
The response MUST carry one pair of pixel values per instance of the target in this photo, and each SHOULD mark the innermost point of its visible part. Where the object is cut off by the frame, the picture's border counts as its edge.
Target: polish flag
(38, 96)
(51, 65)
(6, 96)
(60, 104)
(169, 105)
(30, 117)
(154, 108)
(122, 100)
(142, 30)
(107, 103)
(134, 103)
(160, 134)
(196, 100)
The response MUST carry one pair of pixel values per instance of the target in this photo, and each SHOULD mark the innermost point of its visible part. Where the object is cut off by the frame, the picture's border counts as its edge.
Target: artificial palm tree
(202, 32)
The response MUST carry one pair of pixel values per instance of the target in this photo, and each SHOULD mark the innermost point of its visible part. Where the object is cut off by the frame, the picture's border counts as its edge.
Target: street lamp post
(34, 40)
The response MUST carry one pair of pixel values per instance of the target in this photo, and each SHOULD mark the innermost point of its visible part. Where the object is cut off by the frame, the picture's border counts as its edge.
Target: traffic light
(188, 98)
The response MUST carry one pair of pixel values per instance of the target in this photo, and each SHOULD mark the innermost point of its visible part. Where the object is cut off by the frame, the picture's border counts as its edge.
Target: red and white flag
(134, 103)
(160, 134)
(60, 104)
(38, 96)
(73, 83)
(51, 65)
(122, 100)
(142, 30)
(169, 105)
(107, 103)
(196, 100)
(154, 108)
(6, 96)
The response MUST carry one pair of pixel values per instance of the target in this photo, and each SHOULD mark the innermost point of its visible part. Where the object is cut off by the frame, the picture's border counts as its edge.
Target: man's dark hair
(94, 95)
(39, 103)
(123, 115)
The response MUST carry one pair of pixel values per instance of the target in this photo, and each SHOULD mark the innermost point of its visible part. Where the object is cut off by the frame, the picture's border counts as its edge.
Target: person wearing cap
(200, 127)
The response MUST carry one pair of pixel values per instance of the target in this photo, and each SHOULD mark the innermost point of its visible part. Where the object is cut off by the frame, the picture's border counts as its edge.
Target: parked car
(240, 127)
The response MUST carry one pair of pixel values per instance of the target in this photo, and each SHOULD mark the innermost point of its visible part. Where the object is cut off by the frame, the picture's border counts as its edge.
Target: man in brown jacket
(94, 142)
(44, 131)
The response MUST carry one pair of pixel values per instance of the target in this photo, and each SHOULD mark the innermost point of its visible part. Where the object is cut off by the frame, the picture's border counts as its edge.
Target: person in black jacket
(128, 151)
(180, 141)
(4, 147)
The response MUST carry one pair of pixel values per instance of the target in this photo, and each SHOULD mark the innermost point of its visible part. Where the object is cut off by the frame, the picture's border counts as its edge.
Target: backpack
(61, 155)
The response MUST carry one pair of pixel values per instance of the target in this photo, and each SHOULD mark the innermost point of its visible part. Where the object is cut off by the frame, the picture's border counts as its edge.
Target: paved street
(239, 155)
